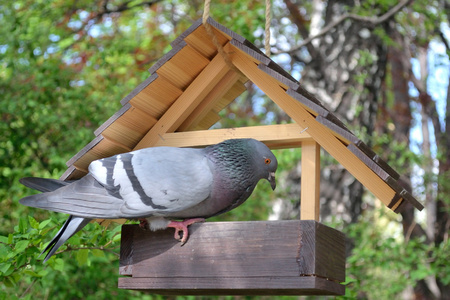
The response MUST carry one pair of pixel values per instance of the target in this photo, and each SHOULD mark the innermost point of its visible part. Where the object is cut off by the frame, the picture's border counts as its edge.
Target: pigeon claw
(181, 228)
(143, 223)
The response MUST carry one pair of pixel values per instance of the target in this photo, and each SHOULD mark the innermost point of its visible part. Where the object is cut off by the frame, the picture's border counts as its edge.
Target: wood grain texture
(218, 253)
(201, 41)
(310, 181)
(183, 68)
(187, 102)
(129, 129)
(72, 173)
(273, 286)
(166, 57)
(138, 89)
(274, 136)
(157, 97)
(210, 101)
(344, 135)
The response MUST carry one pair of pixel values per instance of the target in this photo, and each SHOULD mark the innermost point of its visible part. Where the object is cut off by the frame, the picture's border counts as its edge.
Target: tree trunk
(345, 72)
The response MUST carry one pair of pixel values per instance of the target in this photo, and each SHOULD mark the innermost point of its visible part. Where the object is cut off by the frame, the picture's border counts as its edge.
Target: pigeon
(161, 186)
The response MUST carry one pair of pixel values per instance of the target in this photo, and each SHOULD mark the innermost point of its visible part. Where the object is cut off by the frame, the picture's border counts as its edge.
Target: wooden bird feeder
(176, 106)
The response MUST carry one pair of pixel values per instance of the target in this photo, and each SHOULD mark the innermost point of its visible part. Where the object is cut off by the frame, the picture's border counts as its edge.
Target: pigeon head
(244, 162)
(265, 162)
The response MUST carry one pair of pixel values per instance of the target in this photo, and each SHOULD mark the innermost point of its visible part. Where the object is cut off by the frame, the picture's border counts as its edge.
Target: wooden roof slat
(187, 32)
(201, 41)
(311, 106)
(345, 136)
(157, 97)
(255, 56)
(274, 136)
(372, 155)
(183, 67)
(138, 89)
(320, 133)
(237, 89)
(130, 127)
(187, 102)
(168, 56)
(112, 119)
(209, 120)
(210, 101)
(368, 161)
(102, 148)
(84, 150)
(72, 173)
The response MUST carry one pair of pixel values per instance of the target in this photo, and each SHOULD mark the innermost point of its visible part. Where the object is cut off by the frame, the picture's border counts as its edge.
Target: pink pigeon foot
(183, 227)
(143, 223)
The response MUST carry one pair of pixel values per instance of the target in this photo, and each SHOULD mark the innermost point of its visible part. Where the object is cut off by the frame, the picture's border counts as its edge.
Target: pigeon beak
(271, 179)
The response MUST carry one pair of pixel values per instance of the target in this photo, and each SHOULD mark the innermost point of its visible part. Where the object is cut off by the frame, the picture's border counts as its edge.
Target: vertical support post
(310, 181)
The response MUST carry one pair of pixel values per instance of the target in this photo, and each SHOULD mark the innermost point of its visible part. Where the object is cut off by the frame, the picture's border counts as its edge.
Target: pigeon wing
(155, 181)
(149, 182)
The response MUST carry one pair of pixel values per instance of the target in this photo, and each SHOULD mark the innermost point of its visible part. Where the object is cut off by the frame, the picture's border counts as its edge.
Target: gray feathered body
(160, 182)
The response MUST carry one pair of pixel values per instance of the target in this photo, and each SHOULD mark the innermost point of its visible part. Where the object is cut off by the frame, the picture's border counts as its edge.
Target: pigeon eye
(267, 161)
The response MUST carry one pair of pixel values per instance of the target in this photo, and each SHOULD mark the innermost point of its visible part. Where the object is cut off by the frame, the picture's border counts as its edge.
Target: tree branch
(95, 18)
(110, 250)
(369, 21)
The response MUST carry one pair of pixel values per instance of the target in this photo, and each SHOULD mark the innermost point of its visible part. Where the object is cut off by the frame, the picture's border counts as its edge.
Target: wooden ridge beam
(274, 136)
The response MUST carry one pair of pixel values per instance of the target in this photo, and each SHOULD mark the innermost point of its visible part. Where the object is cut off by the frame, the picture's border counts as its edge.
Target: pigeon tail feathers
(71, 226)
(43, 184)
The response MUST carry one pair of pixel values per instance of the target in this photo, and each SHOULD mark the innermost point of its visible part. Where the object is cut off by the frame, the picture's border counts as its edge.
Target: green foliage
(21, 265)
(382, 263)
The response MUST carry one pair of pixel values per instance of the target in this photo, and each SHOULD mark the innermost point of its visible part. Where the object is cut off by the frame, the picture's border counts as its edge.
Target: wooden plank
(168, 56)
(187, 32)
(210, 100)
(85, 150)
(345, 136)
(126, 251)
(72, 173)
(214, 286)
(274, 136)
(187, 102)
(139, 88)
(157, 97)
(209, 120)
(219, 252)
(183, 67)
(230, 96)
(320, 133)
(103, 148)
(201, 41)
(310, 181)
(130, 127)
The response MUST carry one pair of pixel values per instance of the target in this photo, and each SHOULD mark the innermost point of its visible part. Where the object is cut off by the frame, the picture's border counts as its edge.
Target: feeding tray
(235, 258)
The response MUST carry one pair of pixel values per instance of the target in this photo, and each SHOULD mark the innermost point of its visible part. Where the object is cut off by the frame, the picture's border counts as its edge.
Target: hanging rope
(267, 31)
(213, 37)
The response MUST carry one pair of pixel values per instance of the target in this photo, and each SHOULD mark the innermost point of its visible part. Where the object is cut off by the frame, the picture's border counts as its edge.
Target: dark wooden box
(235, 258)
